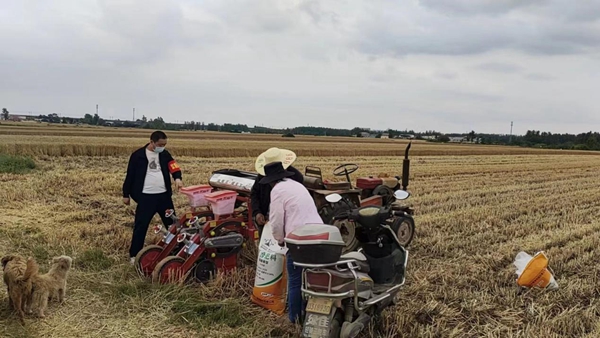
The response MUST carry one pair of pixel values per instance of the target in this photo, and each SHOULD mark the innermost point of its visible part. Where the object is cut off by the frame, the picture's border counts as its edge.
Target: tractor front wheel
(168, 270)
(146, 259)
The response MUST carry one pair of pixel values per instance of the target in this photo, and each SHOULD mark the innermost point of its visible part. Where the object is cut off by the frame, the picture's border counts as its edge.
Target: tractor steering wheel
(345, 172)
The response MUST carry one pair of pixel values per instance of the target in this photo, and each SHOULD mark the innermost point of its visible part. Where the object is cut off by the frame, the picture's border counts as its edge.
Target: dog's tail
(32, 270)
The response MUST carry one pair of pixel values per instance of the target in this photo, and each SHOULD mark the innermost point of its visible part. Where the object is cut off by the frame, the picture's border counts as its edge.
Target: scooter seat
(360, 259)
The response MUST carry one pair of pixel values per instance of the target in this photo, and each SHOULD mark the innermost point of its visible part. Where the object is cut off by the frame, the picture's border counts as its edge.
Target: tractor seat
(360, 259)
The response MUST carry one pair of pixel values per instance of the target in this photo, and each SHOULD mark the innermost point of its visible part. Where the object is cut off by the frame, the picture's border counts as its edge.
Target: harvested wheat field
(474, 213)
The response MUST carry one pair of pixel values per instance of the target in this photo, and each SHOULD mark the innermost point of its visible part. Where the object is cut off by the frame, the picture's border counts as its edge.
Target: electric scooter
(346, 291)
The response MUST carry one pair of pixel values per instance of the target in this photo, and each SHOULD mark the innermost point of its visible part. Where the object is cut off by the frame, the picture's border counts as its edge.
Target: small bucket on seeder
(197, 195)
(222, 202)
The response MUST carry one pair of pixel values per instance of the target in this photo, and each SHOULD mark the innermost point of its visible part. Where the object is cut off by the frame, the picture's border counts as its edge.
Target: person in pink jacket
(291, 206)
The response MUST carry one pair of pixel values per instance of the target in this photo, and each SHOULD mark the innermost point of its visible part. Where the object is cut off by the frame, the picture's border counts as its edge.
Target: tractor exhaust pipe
(405, 167)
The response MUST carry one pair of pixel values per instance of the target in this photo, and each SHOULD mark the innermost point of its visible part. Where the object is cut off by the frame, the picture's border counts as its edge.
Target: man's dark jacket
(260, 194)
(136, 172)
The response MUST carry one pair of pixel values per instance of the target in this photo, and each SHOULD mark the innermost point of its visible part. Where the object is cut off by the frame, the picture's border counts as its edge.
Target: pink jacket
(291, 206)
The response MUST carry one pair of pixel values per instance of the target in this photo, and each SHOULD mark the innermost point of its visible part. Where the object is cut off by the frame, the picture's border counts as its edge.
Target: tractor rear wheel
(348, 232)
(167, 270)
(404, 227)
(145, 260)
(347, 227)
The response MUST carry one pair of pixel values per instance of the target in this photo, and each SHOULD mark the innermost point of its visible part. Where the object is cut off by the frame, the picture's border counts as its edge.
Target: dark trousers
(148, 205)
(295, 301)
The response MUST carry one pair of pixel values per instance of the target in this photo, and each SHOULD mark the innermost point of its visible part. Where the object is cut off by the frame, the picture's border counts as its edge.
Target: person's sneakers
(132, 260)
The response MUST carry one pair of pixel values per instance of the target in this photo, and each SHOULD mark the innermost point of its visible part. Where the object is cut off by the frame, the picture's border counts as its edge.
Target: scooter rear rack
(352, 266)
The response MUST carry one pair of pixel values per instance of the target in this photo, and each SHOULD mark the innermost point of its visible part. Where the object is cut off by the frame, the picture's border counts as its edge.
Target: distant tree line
(583, 141)
(533, 138)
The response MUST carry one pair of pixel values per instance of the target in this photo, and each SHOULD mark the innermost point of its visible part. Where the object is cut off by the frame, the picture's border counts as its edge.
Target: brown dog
(18, 276)
(51, 283)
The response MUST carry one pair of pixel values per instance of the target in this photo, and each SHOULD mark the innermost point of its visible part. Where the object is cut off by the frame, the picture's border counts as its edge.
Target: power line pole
(511, 128)
(133, 114)
(96, 109)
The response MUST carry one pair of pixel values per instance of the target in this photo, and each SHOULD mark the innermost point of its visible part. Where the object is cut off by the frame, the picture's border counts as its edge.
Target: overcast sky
(447, 65)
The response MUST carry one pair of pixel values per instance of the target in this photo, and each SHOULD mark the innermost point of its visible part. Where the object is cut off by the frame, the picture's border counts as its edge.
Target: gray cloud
(499, 67)
(540, 77)
(470, 7)
(404, 29)
(428, 65)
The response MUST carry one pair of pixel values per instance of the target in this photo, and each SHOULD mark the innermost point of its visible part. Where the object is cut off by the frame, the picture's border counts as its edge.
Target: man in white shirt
(148, 183)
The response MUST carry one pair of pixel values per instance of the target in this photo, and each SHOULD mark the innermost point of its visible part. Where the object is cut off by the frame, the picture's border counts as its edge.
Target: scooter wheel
(145, 260)
(167, 270)
(404, 227)
(336, 324)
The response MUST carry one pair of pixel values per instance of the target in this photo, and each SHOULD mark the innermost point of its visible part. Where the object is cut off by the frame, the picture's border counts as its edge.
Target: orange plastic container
(222, 202)
(196, 194)
(536, 272)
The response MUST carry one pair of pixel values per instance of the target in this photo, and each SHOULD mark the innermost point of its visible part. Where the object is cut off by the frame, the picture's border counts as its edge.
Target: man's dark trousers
(148, 206)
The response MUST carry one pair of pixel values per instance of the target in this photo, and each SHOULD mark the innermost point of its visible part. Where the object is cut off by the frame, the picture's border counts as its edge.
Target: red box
(368, 182)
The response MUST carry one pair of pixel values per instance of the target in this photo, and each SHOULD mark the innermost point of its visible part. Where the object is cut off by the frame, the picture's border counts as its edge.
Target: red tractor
(377, 191)
(217, 246)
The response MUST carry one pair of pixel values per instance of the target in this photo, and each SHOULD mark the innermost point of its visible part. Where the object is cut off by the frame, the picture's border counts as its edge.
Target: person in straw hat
(291, 206)
(261, 193)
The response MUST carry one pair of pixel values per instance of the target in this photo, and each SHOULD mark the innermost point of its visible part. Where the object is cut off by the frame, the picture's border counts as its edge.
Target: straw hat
(285, 156)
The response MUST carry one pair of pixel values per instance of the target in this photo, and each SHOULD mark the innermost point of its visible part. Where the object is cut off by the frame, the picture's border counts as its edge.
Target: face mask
(159, 149)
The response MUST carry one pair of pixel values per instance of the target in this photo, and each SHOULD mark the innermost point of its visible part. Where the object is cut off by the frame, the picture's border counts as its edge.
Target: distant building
(16, 118)
(429, 137)
(458, 139)
(385, 135)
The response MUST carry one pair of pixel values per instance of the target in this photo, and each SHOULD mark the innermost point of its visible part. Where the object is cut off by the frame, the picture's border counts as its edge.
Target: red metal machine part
(150, 255)
(214, 249)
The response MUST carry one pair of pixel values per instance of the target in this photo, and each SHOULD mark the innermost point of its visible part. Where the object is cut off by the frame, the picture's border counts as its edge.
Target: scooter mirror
(333, 198)
(401, 194)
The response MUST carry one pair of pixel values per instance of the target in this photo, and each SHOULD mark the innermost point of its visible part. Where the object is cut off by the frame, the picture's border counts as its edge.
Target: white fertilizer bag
(270, 283)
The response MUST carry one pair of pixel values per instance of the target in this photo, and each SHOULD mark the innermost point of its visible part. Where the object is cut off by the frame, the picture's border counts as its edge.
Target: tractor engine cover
(225, 241)
(368, 182)
(313, 183)
(391, 182)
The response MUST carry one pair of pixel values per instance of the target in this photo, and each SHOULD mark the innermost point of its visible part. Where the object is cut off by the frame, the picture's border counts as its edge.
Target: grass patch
(201, 313)
(134, 289)
(16, 164)
(95, 260)
(40, 253)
